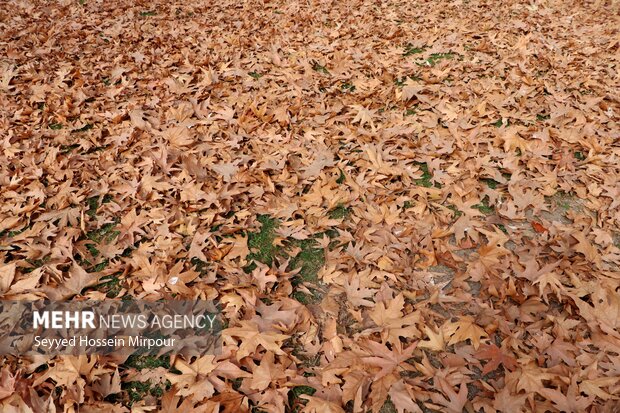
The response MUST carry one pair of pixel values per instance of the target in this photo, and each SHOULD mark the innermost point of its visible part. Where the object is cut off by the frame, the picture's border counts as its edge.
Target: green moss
(255, 75)
(147, 13)
(56, 126)
(542, 117)
(579, 156)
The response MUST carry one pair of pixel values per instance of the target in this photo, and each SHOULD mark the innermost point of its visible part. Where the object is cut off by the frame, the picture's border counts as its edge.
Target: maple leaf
(530, 378)
(456, 402)
(266, 373)
(317, 405)
(388, 360)
(7, 380)
(569, 401)
(505, 401)
(353, 388)
(495, 357)
(363, 116)
(435, 342)
(7, 274)
(324, 158)
(109, 383)
(193, 378)
(593, 387)
(226, 170)
(402, 398)
(178, 136)
(251, 338)
(78, 279)
(464, 329)
(391, 318)
(548, 279)
(358, 295)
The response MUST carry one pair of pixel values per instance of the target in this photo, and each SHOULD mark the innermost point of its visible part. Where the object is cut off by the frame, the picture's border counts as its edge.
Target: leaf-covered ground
(399, 205)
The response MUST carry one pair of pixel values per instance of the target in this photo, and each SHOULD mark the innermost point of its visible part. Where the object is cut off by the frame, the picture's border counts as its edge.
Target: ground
(398, 205)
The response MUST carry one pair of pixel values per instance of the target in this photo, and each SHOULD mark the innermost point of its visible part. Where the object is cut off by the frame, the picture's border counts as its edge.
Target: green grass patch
(38, 263)
(255, 75)
(388, 407)
(579, 156)
(138, 390)
(261, 243)
(484, 206)
(542, 117)
(309, 261)
(84, 128)
(340, 212)
(106, 233)
(140, 361)
(455, 211)
(499, 123)
(347, 87)
(317, 67)
(491, 183)
(111, 286)
(411, 50)
(341, 178)
(11, 234)
(93, 204)
(56, 126)
(436, 57)
(68, 148)
(400, 82)
(425, 180)
(295, 402)
(147, 13)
